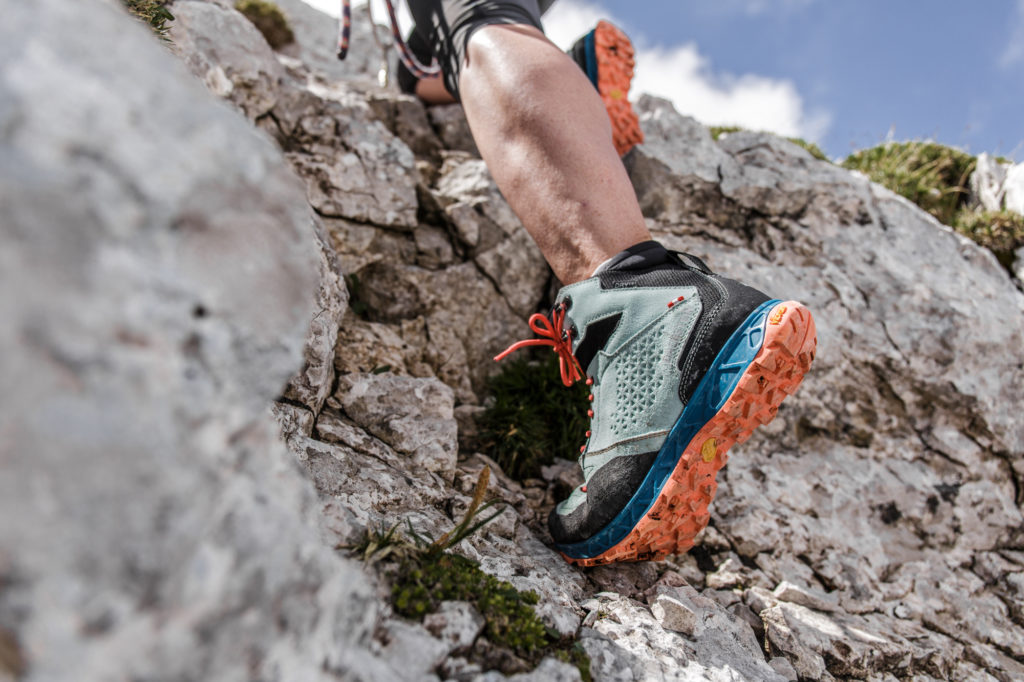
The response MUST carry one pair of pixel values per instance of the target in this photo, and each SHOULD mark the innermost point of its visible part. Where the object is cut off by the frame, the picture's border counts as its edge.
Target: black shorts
(443, 29)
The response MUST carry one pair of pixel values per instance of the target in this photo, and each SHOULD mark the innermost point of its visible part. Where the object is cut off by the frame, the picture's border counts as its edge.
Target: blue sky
(847, 74)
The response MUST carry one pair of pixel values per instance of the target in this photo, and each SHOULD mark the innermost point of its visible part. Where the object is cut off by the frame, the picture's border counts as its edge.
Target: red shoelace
(550, 329)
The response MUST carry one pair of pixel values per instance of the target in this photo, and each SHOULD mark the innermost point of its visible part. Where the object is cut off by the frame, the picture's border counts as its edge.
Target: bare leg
(432, 91)
(544, 133)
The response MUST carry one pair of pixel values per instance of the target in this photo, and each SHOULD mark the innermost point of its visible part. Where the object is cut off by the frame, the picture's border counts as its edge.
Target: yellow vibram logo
(616, 94)
(709, 449)
(777, 314)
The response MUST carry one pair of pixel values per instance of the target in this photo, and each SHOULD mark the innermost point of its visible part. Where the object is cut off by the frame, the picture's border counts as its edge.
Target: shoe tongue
(642, 256)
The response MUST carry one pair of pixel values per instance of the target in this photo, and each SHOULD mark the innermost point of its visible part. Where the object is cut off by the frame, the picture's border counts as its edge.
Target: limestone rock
(720, 646)
(674, 615)
(450, 123)
(414, 416)
(484, 222)
(413, 652)
(456, 623)
(166, 271)
(1013, 189)
(313, 383)
(467, 320)
(224, 50)
(316, 42)
(987, 183)
(805, 596)
(406, 117)
(353, 166)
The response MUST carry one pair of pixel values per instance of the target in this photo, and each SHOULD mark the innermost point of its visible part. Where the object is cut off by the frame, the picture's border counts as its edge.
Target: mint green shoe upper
(635, 370)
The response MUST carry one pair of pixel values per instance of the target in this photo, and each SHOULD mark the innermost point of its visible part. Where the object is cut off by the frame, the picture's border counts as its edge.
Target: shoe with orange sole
(682, 365)
(606, 56)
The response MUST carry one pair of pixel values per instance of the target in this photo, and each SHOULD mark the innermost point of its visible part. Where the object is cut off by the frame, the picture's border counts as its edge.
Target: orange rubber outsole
(681, 510)
(614, 53)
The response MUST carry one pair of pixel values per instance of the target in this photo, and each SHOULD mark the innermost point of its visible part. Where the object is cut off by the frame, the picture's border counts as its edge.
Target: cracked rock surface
(166, 277)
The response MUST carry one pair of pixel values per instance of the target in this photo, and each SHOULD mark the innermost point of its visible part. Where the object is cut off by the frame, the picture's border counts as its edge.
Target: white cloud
(684, 76)
(1014, 51)
(567, 20)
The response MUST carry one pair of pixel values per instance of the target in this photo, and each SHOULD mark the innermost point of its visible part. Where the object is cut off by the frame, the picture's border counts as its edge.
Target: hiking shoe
(606, 56)
(682, 364)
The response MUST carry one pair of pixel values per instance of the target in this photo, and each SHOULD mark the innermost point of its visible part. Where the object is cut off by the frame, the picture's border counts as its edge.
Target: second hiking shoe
(682, 364)
(606, 56)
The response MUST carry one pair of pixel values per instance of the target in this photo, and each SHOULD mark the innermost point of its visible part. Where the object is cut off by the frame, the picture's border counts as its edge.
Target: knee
(514, 58)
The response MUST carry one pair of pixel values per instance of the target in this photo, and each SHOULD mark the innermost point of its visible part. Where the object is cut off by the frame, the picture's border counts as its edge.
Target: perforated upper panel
(639, 381)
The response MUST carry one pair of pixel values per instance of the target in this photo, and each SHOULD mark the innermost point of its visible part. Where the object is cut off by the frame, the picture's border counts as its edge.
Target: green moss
(511, 622)
(931, 175)
(534, 417)
(424, 574)
(153, 13)
(718, 131)
(269, 19)
(1002, 232)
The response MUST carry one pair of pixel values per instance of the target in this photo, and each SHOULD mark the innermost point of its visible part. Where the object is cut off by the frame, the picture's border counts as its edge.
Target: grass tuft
(269, 19)
(153, 13)
(534, 417)
(933, 176)
(1002, 232)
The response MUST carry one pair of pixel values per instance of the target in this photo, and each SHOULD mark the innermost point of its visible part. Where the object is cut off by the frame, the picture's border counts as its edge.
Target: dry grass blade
(467, 527)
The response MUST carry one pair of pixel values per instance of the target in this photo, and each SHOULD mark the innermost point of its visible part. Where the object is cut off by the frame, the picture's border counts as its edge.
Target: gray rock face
(224, 50)
(1013, 189)
(414, 416)
(986, 183)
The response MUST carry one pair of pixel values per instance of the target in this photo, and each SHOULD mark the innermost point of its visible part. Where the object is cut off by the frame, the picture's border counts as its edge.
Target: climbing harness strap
(404, 53)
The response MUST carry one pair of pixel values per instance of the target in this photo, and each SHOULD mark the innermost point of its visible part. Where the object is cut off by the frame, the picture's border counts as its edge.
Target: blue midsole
(711, 394)
(591, 55)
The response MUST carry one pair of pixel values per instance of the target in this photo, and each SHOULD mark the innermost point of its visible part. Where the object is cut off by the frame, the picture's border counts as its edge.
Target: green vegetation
(151, 12)
(1002, 232)
(355, 296)
(813, 149)
(718, 131)
(424, 574)
(269, 19)
(534, 417)
(935, 177)
(931, 175)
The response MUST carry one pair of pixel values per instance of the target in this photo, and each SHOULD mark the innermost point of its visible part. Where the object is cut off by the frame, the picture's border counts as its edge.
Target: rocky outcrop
(155, 526)
(998, 185)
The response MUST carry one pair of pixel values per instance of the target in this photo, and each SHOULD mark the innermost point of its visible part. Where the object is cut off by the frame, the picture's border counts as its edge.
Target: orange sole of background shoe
(681, 510)
(615, 64)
